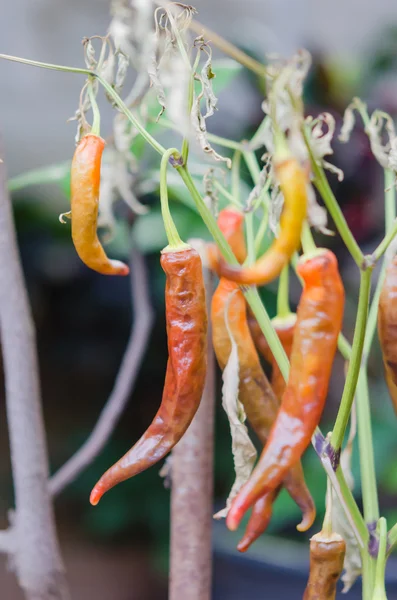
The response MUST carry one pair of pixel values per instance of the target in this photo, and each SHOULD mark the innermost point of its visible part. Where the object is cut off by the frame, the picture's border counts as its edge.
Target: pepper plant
(174, 92)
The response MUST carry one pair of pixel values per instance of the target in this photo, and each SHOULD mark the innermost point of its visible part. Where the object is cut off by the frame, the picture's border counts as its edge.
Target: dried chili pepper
(327, 553)
(186, 318)
(85, 181)
(319, 321)
(387, 328)
(255, 392)
(293, 184)
(259, 520)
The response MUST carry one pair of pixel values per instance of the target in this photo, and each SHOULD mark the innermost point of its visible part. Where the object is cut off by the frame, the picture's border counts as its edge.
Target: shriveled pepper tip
(244, 544)
(233, 520)
(95, 496)
(120, 267)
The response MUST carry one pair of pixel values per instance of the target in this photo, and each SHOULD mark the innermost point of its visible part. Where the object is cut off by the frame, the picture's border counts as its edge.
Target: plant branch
(125, 380)
(229, 49)
(36, 558)
(321, 183)
(192, 494)
(379, 588)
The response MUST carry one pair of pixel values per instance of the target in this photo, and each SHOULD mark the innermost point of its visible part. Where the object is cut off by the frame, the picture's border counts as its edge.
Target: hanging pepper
(259, 520)
(327, 553)
(255, 393)
(85, 181)
(319, 321)
(285, 328)
(387, 328)
(186, 319)
(293, 183)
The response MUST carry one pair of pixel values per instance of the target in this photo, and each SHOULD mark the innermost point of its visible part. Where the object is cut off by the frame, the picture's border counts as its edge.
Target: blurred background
(119, 550)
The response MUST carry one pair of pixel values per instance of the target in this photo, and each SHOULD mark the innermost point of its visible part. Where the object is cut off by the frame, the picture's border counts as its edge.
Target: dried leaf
(207, 75)
(317, 215)
(244, 453)
(349, 119)
(256, 192)
(320, 141)
(379, 124)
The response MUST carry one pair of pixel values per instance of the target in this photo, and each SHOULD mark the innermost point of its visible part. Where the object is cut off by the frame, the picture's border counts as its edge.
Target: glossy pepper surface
(85, 182)
(327, 554)
(186, 320)
(293, 183)
(387, 328)
(319, 322)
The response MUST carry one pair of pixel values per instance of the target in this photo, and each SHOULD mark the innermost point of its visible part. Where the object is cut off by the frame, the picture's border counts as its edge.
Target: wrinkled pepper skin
(319, 322)
(326, 566)
(255, 392)
(285, 328)
(186, 320)
(293, 184)
(387, 328)
(85, 182)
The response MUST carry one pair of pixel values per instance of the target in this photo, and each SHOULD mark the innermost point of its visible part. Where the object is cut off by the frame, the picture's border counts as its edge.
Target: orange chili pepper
(255, 392)
(85, 181)
(387, 328)
(293, 182)
(186, 319)
(327, 554)
(319, 321)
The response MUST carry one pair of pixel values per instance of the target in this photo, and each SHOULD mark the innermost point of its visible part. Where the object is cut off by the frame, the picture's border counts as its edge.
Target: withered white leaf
(244, 453)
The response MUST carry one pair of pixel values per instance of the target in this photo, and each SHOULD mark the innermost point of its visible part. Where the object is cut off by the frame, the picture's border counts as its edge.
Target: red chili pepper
(255, 393)
(85, 182)
(293, 184)
(319, 322)
(387, 328)
(186, 319)
(327, 554)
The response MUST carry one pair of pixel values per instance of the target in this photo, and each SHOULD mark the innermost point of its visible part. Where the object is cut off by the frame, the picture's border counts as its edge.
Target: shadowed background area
(119, 549)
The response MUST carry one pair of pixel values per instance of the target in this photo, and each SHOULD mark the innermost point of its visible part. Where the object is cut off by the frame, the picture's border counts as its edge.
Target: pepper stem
(283, 307)
(96, 123)
(174, 241)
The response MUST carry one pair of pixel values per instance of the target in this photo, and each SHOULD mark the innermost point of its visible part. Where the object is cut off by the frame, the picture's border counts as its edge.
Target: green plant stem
(249, 228)
(342, 418)
(256, 141)
(390, 215)
(226, 194)
(112, 93)
(96, 123)
(252, 165)
(392, 539)
(321, 183)
(379, 589)
(283, 307)
(262, 227)
(366, 450)
(235, 176)
(368, 574)
(385, 243)
(308, 244)
(190, 98)
(174, 240)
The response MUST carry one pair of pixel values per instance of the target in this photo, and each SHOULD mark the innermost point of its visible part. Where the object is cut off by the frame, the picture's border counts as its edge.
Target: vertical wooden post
(192, 495)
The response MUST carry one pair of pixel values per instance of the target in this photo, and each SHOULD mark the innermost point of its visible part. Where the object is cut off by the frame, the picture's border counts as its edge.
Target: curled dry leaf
(262, 185)
(320, 141)
(317, 215)
(244, 453)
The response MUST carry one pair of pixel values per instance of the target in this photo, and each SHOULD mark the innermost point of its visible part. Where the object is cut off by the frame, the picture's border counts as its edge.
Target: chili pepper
(230, 222)
(285, 328)
(387, 328)
(186, 369)
(319, 321)
(259, 520)
(85, 181)
(327, 554)
(293, 182)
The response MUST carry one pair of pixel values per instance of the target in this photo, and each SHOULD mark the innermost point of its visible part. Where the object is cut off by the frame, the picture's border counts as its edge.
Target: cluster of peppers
(283, 415)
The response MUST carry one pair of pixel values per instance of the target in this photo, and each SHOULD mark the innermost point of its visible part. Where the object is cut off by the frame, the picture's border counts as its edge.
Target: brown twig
(191, 500)
(115, 405)
(31, 542)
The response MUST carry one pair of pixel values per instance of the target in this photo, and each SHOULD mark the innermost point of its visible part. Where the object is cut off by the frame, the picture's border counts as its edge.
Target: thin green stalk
(379, 589)
(344, 347)
(174, 240)
(112, 93)
(256, 141)
(262, 227)
(385, 243)
(368, 574)
(96, 123)
(283, 307)
(235, 176)
(190, 98)
(390, 214)
(308, 244)
(366, 450)
(252, 165)
(226, 194)
(342, 418)
(392, 538)
(321, 183)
